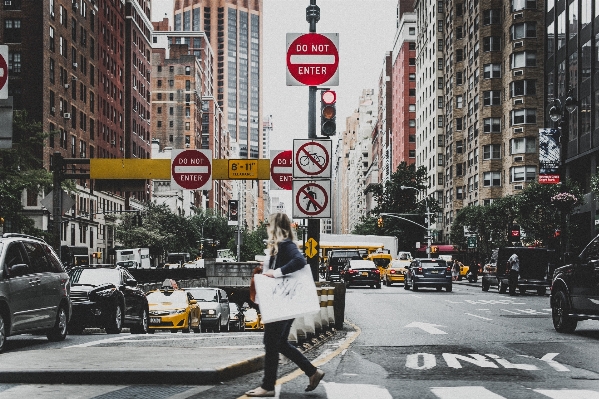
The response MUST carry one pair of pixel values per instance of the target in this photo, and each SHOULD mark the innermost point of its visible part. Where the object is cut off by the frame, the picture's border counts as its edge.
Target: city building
(571, 70)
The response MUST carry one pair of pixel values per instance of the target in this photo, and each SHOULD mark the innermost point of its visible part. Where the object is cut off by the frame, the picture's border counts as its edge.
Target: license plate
(154, 320)
(434, 271)
(365, 274)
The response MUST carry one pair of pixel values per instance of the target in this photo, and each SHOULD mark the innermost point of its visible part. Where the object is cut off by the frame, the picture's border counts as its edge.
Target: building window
(491, 17)
(412, 92)
(412, 123)
(491, 71)
(440, 121)
(412, 107)
(524, 59)
(523, 30)
(187, 70)
(440, 159)
(458, 33)
(459, 102)
(492, 125)
(412, 31)
(459, 55)
(459, 146)
(526, 87)
(440, 102)
(491, 179)
(170, 124)
(412, 76)
(523, 173)
(412, 61)
(492, 43)
(187, 125)
(491, 151)
(459, 125)
(459, 78)
(522, 116)
(412, 46)
(524, 145)
(518, 5)
(492, 97)
(14, 62)
(412, 153)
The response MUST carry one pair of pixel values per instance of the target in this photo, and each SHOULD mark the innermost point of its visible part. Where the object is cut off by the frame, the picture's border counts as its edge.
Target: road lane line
(468, 392)
(480, 317)
(355, 391)
(568, 393)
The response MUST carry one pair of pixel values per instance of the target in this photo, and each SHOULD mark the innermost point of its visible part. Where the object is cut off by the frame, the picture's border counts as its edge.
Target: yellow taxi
(174, 310)
(253, 321)
(395, 273)
(381, 260)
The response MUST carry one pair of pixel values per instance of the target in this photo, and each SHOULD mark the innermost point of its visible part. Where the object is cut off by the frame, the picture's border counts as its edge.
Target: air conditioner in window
(8, 3)
(66, 115)
(187, 145)
(518, 159)
(519, 72)
(518, 44)
(75, 5)
(518, 101)
(66, 86)
(518, 15)
(74, 65)
(518, 130)
(518, 187)
(112, 142)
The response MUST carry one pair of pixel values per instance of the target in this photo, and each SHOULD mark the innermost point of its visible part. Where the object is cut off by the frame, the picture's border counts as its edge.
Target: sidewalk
(138, 359)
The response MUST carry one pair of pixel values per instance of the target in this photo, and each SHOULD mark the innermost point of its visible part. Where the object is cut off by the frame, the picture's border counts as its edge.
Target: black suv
(107, 297)
(34, 289)
(575, 289)
(337, 260)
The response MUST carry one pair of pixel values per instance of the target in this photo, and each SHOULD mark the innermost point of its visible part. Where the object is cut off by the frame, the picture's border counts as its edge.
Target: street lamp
(428, 220)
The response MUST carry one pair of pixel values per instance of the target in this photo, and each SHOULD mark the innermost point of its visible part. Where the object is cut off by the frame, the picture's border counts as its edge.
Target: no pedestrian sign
(312, 59)
(311, 199)
(191, 169)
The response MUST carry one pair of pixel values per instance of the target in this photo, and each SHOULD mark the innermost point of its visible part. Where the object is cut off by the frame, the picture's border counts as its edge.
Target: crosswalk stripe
(467, 392)
(355, 391)
(568, 393)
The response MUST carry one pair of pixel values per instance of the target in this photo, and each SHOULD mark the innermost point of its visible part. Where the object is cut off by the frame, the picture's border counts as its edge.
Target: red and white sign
(549, 179)
(281, 169)
(312, 59)
(312, 158)
(3, 72)
(311, 199)
(191, 169)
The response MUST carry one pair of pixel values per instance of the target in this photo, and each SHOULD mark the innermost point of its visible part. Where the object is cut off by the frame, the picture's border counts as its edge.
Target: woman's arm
(288, 252)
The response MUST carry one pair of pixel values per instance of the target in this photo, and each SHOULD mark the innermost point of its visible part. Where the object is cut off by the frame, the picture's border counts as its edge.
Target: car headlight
(177, 311)
(211, 312)
(105, 293)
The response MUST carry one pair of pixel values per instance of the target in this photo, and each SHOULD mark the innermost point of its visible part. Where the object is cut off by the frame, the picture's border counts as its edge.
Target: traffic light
(434, 249)
(379, 222)
(328, 113)
(233, 210)
(557, 233)
(515, 233)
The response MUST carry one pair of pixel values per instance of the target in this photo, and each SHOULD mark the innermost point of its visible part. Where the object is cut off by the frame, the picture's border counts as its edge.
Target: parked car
(175, 310)
(395, 272)
(107, 297)
(34, 289)
(575, 289)
(428, 272)
(215, 307)
(337, 260)
(536, 268)
(361, 272)
(253, 320)
(236, 317)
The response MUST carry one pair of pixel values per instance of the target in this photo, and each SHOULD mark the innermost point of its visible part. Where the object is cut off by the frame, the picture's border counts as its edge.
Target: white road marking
(44, 391)
(453, 360)
(568, 393)
(355, 391)
(168, 337)
(428, 327)
(548, 358)
(480, 317)
(465, 393)
(509, 365)
(429, 361)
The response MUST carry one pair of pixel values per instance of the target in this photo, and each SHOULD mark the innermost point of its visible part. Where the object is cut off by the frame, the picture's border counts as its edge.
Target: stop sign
(281, 170)
(191, 169)
(312, 59)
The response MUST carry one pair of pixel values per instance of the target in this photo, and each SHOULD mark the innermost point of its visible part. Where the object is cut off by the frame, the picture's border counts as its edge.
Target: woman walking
(285, 259)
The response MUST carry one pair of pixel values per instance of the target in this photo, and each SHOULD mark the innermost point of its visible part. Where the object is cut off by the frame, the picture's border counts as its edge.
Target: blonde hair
(279, 229)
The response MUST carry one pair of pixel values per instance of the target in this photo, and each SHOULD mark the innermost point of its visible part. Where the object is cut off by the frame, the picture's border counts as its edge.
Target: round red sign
(312, 59)
(3, 72)
(281, 169)
(191, 169)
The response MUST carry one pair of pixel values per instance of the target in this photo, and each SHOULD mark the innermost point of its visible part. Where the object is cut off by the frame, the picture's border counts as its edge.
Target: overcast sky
(366, 31)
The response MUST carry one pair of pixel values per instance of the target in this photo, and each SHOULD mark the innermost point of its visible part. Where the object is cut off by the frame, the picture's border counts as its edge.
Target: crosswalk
(332, 390)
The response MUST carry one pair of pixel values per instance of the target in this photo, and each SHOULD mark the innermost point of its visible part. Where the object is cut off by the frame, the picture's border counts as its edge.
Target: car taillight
(419, 270)
(448, 269)
(377, 271)
(330, 267)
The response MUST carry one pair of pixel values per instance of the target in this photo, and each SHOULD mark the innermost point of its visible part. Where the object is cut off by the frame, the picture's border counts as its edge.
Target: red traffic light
(329, 97)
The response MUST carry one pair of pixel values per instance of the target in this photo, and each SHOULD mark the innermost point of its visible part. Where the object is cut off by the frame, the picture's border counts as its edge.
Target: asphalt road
(402, 344)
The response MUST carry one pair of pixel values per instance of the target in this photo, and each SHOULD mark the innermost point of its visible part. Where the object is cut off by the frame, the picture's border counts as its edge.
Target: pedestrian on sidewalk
(514, 264)
(455, 270)
(285, 259)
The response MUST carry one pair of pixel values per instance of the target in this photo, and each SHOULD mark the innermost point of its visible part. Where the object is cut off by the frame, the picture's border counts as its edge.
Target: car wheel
(522, 290)
(449, 288)
(541, 291)
(115, 325)
(3, 334)
(59, 331)
(151, 331)
(414, 286)
(187, 329)
(486, 286)
(559, 313)
(388, 283)
(439, 288)
(378, 286)
(347, 284)
(501, 287)
(142, 327)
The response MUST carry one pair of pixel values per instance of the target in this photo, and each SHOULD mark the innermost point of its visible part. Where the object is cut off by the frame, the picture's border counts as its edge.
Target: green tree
(253, 242)
(21, 169)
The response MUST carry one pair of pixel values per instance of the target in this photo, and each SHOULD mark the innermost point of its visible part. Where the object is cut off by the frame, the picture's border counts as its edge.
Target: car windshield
(169, 298)
(204, 295)
(95, 276)
(361, 264)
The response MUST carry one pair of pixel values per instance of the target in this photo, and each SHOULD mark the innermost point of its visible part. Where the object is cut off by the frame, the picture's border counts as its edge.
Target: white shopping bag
(288, 297)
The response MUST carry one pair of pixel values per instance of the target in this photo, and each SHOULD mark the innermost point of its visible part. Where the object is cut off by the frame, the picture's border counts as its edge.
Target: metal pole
(428, 227)
(239, 219)
(57, 164)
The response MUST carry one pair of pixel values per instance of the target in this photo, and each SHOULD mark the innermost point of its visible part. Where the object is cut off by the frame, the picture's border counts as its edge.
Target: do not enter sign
(3, 73)
(191, 169)
(312, 59)
(281, 170)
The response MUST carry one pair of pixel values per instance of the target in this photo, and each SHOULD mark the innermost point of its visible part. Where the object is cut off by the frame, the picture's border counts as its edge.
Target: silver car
(215, 307)
(34, 289)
